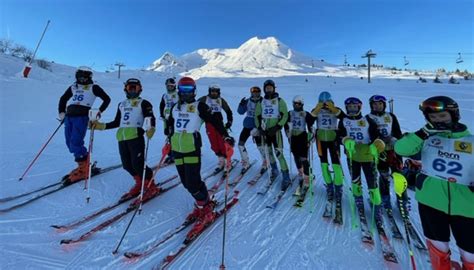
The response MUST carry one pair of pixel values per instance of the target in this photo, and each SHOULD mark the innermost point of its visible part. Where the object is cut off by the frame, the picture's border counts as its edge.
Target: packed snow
(257, 237)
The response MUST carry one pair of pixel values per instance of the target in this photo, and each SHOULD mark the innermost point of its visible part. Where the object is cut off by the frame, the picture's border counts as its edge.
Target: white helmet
(298, 99)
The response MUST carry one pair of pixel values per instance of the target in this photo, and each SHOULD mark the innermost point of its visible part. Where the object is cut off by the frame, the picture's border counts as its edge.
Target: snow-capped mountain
(256, 57)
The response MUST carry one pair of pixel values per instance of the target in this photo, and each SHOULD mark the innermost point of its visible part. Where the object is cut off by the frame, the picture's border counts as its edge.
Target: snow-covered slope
(257, 237)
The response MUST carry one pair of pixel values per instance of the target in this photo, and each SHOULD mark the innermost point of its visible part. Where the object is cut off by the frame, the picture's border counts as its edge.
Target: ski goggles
(186, 88)
(133, 87)
(255, 90)
(352, 100)
(432, 106)
(378, 98)
(298, 103)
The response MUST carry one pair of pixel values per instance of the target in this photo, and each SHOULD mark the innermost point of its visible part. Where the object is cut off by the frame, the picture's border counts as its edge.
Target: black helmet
(170, 81)
(133, 88)
(84, 75)
(269, 82)
(440, 104)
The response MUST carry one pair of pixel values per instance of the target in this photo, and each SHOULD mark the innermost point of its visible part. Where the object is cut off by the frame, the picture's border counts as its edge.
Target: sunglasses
(298, 103)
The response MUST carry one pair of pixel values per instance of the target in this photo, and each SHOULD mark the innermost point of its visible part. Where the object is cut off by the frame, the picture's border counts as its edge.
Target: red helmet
(186, 85)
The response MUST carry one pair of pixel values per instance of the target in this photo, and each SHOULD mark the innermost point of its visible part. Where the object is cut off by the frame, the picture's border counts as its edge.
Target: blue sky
(98, 33)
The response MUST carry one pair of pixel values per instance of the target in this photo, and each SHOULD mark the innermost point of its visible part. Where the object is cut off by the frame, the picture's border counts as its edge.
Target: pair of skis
(57, 187)
(112, 219)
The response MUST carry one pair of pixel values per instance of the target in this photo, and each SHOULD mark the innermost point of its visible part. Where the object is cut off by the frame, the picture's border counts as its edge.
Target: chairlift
(406, 62)
(459, 59)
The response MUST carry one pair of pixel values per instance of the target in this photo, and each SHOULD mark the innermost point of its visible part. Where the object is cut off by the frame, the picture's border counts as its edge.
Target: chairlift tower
(120, 65)
(369, 54)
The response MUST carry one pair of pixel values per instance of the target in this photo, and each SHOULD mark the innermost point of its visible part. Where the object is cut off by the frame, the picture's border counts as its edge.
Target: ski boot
(274, 172)
(134, 191)
(78, 174)
(285, 183)
(206, 217)
(220, 165)
(338, 212)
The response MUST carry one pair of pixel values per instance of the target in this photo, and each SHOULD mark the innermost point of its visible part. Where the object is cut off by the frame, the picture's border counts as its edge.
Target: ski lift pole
(41, 151)
(27, 69)
(94, 115)
(390, 103)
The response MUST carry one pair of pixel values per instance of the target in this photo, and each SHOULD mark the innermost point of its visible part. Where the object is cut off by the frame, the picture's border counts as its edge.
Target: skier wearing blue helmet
(327, 115)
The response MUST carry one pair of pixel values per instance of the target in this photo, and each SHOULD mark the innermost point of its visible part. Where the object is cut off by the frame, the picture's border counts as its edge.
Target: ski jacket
(248, 106)
(364, 131)
(184, 124)
(447, 170)
(217, 105)
(82, 99)
(272, 110)
(301, 122)
(388, 126)
(129, 118)
(327, 124)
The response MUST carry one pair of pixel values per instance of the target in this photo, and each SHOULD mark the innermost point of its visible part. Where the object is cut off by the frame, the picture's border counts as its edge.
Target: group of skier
(373, 143)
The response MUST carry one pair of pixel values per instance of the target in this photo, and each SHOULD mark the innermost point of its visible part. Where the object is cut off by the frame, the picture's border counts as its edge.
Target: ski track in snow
(257, 237)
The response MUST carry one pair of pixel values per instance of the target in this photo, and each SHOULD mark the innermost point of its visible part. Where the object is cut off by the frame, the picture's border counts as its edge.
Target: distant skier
(445, 186)
(359, 135)
(327, 116)
(299, 130)
(247, 106)
(129, 118)
(82, 95)
(184, 124)
(167, 101)
(271, 115)
(437, 80)
(217, 104)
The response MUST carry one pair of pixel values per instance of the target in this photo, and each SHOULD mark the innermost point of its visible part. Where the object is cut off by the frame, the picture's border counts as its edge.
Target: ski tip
(131, 255)
(58, 227)
(21, 178)
(65, 241)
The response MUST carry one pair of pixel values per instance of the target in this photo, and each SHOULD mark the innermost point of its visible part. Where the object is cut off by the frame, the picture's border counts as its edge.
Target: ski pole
(146, 126)
(351, 200)
(400, 186)
(93, 116)
(41, 151)
(267, 154)
(311, 176)
(289, 148)
(229, 152)
(164, 152)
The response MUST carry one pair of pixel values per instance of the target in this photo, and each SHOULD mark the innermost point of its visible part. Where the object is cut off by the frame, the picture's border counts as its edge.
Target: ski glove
(61, 116)
(273, 130)
(349, 144)
(230, 141)
(150, 132)
(377, 147)
(255, 132)
(427, 131)
(243, 102)
(97, 125)
(316, 110)
(331, 107)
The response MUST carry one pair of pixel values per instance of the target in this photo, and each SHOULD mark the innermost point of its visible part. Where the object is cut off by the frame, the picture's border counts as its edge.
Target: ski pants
(75, 128)
(299, 148)
(389, 162)
(276, 142)
(132, 154)
(189, 169)
(370, 176)
(332, 147)
(216, 140)
(245, 134)
(438, 225)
